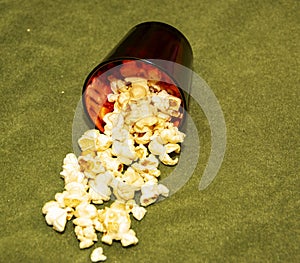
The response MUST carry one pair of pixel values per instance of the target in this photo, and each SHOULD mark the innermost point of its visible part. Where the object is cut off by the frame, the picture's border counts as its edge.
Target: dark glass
(143, 52)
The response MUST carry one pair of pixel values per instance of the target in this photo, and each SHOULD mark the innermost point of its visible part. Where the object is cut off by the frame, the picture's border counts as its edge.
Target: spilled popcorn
(116, 164)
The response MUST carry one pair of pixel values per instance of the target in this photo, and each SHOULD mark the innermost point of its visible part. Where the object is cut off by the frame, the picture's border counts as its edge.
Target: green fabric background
(248, 53)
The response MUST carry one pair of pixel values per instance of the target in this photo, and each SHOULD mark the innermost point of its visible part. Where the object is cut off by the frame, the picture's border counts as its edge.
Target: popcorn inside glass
(149, 52)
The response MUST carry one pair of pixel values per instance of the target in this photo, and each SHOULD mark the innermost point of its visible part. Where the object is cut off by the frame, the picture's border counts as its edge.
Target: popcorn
(171, 135)
(75, 194)
(57, 217)
(92, 140)
(110, 162)
(138, 212)
(122, 190)
(132, 177)
(124, 151)
(156, 147)
(97, 255)
(143, 138)
(91, 165)
(141, 151)
(151, 191)
(138, 91)
(129, 238)
(82, 221)
(147, 167)
(86, 243)
(96, 197)
(100, 186)
(124, 159)
(86, 210)
(71, 170)
(48, 205)
(116, 222)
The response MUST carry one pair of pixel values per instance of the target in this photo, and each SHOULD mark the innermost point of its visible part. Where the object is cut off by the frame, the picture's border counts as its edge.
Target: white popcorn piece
(147, 167)
(110, 162)
(129, 205)
(76, 188)
(150, 178)
(91, 165)
(171, 135)
(174, 103)
(95, 197)
(107, 239)
(86, 210)
(151, 191)
(112, 119)
(57, 217)
(122, 190)
(60, 198)
(75, 194)
(137, 80)
(99, 188)
(156, 147)
(138, 212)
(112, 97)
(97, 255)
(86, 243)
(92, 140)
(84, 233)
(103, 142)
(83, 221)
(140, 109)
(125, 151)
(120, 134)
(79, 232)
(146, 121)
(131, 177)
(172, 147)
(71, 170)
(73, 200)
(122, 99)
(98, 225)
(129, 238)
(89, 233)
(161, 101)
(48, 205)
(70, 161)
(167, 160)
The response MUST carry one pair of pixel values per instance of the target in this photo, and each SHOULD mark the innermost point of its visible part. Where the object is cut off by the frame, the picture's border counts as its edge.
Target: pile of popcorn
(118, 163)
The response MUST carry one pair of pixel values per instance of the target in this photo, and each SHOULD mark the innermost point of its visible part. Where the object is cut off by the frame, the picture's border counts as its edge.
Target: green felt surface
(248, 53)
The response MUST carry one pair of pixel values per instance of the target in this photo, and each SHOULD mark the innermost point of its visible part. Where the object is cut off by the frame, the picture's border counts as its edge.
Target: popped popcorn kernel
(97, 255)
(57, 217)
